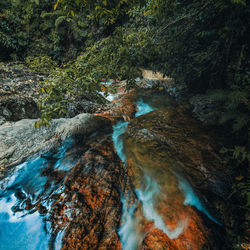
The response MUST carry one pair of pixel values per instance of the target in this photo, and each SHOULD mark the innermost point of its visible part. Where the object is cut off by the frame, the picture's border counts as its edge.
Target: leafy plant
(41, 64)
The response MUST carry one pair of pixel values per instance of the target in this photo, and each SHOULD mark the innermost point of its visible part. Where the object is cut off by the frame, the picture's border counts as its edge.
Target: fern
(51, 14)
(235, 98)
(227, 116)
(218, 95)
(60, 20)
(241, 120)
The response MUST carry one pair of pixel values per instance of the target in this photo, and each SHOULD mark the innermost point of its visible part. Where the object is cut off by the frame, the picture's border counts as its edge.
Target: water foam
(192, 199)
(128, 230)
(147, 196)
(22, 229)
(128, 233)
(118, 130)
(130, 237)
(143, 108)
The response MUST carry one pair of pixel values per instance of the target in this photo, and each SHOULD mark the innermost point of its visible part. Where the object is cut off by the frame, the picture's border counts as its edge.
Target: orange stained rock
(169, 204)
(157, 240)
(92, 192)
(112, 118)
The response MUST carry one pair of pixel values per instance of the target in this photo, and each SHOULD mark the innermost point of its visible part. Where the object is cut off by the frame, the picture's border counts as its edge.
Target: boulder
(21, 140)
(204, 109)
(92, 194)
(19, 93)
(157, 81)
(76, 189)
(122, 103)
(169, 139)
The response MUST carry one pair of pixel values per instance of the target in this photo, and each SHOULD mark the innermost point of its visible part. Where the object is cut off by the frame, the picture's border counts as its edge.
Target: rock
(205, 110)
(196, 230)
(2, 120)
(168, 139)
(81, 105)
(156, 81)
(76, 190)
(20, 94)
(122, 106)
(167, 145)
(89, 207)
(21, 139)
(15, 108)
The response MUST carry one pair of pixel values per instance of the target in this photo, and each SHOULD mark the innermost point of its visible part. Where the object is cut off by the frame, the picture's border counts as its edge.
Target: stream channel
(25, 204)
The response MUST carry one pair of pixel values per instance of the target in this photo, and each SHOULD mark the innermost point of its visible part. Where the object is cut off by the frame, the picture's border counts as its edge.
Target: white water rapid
(22, 228)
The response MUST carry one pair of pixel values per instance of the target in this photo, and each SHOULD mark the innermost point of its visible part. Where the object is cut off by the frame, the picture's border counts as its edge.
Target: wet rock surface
(156, 81)
(168, 139)
(201, 105)
(87, 201)
(20, 140)
(121, 103)
(89, 208)
(177, 225)
(81, 203)
(162, 148)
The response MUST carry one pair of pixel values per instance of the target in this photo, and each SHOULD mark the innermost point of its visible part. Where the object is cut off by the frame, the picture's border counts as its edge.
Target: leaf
(239, 178)
(242, 2)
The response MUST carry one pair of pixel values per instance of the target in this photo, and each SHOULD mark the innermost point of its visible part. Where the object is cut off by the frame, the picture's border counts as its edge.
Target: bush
(41, 64)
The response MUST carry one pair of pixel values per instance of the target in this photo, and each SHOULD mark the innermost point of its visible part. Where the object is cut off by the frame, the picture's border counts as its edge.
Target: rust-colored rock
(166, 145)
(123, 106)
(169, 139)
(89, 208)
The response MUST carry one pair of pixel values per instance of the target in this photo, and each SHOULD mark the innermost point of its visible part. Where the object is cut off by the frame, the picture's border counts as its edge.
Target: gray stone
(205, 110)
(6, 112)
(21, 140)
(2, 120)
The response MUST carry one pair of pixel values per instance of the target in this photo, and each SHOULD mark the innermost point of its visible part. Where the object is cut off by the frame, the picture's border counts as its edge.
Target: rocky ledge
(168, 139)
(20, 140)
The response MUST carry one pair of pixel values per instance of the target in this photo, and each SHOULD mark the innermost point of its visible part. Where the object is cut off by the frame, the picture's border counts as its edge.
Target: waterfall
(128, 232)
(146, 196)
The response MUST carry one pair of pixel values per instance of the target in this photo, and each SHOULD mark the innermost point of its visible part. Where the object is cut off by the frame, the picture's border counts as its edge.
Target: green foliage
(41, 64)
(238, 153)
(203, 43)
(31, 29)
(104, 11)
(236, 102)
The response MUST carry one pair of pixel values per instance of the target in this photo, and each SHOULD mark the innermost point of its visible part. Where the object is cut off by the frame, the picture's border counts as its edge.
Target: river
(26, 198)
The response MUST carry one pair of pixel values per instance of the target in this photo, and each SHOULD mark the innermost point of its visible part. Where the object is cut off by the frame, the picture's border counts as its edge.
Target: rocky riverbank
(20, 92)
(163, 193)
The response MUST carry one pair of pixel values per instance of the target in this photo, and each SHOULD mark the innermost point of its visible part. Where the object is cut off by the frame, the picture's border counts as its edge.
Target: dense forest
(80, 43)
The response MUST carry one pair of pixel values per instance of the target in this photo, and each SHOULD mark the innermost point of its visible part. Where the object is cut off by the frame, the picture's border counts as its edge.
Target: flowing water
(23, 223)
(129, 232)
(25, 198)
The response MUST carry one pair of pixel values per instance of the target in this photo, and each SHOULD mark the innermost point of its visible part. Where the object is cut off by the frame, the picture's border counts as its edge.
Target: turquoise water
(22, 225)
(130, 236)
